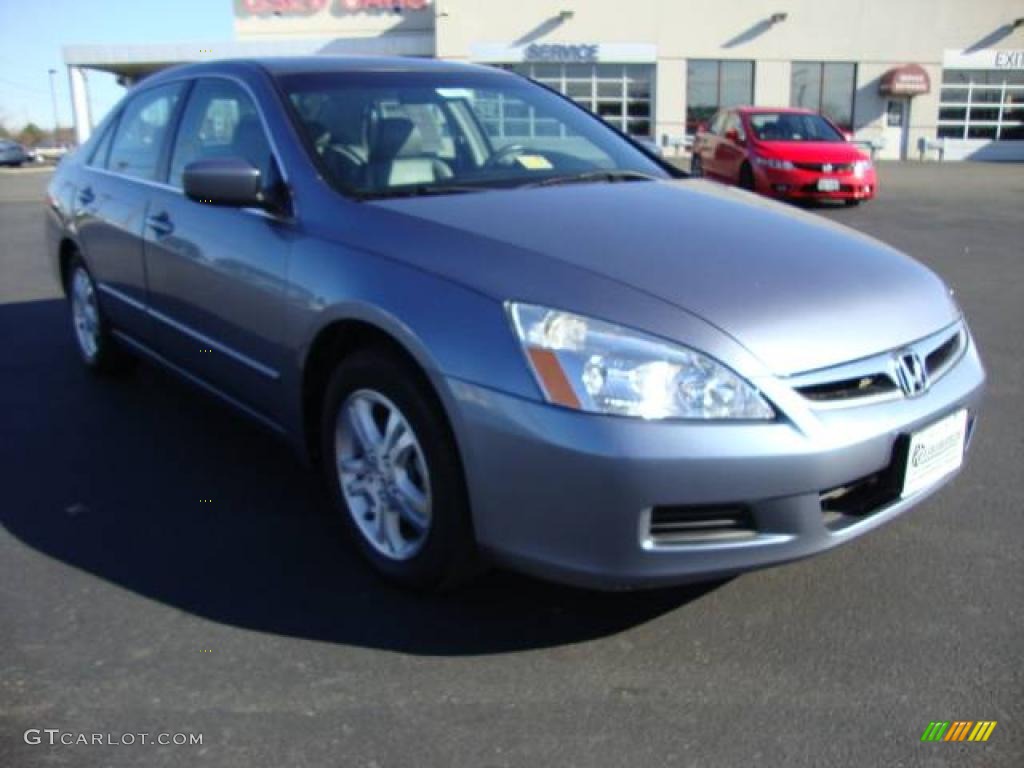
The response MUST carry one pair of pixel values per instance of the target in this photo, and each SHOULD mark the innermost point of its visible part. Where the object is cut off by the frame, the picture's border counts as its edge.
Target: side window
(733, 123)
(717, 123)
(99, 155)
(220, 121)
(141, 132)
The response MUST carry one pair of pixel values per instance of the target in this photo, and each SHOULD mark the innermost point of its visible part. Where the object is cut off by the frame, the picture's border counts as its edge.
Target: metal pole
(53, 98)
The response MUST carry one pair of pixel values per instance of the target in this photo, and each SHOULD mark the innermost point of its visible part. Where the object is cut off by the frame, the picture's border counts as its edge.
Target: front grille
(688, 524)
(845, 389)
(866, 495)
(819, 167)
(873, 379)
(944, 356)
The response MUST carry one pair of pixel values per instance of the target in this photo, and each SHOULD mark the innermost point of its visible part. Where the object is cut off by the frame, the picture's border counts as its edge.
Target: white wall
(670, 98)
(834, 30)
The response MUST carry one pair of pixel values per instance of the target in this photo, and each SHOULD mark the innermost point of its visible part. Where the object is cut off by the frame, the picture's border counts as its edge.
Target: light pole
(53, 97)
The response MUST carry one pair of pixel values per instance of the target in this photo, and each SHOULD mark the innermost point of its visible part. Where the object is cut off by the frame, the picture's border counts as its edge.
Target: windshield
(790, 126)
(380, 134)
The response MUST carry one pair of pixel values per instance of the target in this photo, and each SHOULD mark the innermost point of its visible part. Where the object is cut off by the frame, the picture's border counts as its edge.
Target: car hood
(837, 152)
(796, 290)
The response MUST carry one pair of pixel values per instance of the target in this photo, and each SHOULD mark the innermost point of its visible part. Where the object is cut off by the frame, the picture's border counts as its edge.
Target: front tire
(97, 348)
(393, 472)
(747, 178)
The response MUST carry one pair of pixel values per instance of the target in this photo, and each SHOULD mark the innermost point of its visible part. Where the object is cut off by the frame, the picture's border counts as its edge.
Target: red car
(788, 153)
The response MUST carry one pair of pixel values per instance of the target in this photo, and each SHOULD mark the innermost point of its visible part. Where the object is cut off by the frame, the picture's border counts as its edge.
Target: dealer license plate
(935, 451)
(828, 185)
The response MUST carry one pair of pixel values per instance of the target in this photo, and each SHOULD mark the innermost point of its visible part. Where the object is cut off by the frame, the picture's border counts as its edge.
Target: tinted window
(220, 121)
(141, 132)
(701, 92)
(713, 84)
(837, 90)
(737, 83)
(826, 87)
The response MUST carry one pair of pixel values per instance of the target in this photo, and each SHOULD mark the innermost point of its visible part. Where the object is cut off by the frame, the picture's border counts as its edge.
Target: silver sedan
(505, 332)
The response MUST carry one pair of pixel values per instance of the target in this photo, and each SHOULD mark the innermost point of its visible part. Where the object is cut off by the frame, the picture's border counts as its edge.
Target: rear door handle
(86, 196)
(161, 224)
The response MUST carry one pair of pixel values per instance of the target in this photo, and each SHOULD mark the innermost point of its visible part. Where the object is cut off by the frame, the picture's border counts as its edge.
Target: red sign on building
(308, 7)
(908, 80)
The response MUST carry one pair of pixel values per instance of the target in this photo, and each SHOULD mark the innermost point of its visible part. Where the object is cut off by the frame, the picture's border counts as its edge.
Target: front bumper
(803, 185)
(568, 496)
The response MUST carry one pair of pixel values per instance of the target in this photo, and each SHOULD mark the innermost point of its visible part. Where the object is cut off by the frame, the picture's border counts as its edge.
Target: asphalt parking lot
(128, 605)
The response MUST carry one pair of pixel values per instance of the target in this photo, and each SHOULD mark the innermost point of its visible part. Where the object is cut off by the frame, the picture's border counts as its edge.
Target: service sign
(560, 52)
(566, 53)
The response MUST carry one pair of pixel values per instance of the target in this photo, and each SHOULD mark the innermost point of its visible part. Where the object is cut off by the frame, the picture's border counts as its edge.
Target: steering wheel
(503, 155)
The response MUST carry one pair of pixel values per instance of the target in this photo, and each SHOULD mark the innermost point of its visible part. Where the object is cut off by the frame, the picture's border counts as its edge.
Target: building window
(712, 85)
(827, 87)
(622, 94)
(982, 104)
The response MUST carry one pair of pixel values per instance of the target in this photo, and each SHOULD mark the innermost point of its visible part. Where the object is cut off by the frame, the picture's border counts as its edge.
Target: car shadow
(822, 205)
(154, 487)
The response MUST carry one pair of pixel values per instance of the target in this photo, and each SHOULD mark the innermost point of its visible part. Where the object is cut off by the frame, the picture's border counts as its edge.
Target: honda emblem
(911, 374)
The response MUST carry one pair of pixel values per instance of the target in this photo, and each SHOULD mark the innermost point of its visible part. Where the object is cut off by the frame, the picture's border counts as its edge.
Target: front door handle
(161, 224)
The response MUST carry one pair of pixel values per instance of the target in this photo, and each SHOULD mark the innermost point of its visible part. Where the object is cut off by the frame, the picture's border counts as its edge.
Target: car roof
(290, 65)
(326, 63)
(774, 110)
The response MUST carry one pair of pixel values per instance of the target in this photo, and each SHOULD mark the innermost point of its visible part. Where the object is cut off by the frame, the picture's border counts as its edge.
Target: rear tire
(404, 502)
(97, 347)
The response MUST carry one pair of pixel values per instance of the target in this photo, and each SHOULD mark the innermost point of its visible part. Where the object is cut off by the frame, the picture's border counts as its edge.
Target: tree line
(31, 135)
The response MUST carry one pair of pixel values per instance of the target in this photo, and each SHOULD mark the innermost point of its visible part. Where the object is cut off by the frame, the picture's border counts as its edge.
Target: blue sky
(32, 33)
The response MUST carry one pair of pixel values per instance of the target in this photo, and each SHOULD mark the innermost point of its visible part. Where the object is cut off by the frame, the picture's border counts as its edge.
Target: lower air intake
(687, 525)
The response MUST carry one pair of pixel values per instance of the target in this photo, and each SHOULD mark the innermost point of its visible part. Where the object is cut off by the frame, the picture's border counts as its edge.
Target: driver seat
(397, 156)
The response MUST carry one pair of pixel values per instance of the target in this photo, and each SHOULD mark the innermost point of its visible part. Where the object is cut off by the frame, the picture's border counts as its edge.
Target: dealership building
(910, 78)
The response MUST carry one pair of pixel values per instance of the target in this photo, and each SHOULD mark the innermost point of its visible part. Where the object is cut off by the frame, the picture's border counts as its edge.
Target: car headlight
(861, 167)
(590, 365)
(774, 162)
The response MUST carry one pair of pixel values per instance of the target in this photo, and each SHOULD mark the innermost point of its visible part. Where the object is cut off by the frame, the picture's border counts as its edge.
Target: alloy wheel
(85, 314)
(383, 474)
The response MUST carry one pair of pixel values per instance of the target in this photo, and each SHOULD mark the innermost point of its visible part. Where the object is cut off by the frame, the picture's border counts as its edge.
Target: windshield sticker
(534, 162)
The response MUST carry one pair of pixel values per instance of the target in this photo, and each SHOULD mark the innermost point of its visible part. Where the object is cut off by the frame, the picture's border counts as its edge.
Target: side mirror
(228, 181)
